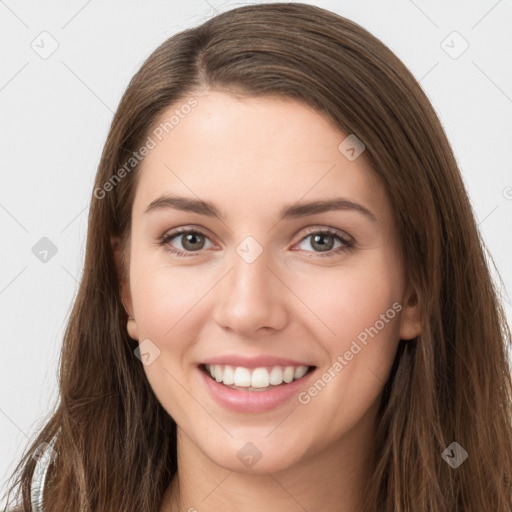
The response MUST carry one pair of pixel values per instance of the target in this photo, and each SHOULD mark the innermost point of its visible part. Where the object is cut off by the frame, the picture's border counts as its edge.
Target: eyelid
(328, 230)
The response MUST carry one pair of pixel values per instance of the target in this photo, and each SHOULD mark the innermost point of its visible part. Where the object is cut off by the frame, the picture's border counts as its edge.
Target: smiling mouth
(255, 379)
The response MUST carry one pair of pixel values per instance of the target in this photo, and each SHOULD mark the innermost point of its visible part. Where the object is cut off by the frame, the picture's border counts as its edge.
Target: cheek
(165, 301)
(360, 313)
(167, 309)
(342, 302)
(359, 309)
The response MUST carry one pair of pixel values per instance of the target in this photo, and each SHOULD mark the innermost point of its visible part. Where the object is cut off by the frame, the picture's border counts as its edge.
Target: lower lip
(253, 401)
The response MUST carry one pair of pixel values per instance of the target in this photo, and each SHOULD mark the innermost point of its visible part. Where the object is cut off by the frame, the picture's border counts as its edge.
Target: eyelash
(347, 246)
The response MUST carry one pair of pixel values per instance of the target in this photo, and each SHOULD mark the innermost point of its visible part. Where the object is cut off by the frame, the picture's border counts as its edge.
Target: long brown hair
(117, 445)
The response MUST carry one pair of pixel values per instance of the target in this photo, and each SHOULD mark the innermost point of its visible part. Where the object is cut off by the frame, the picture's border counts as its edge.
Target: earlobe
(410, 322)
(124, 286)
(131, 327)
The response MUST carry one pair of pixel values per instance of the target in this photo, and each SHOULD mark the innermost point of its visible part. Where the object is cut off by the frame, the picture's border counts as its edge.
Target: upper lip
(253, 362)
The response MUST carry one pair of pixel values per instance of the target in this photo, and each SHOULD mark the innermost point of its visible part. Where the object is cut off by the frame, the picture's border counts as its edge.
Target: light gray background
(55, 113)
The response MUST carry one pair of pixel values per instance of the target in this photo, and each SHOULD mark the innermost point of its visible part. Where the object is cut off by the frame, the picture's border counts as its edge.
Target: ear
(410, 319)
(124, 284)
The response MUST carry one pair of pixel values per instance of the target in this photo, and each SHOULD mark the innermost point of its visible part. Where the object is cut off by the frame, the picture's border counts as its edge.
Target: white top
(46, 458)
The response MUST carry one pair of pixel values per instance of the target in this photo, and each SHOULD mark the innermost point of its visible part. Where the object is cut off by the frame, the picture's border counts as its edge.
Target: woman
(334, 341)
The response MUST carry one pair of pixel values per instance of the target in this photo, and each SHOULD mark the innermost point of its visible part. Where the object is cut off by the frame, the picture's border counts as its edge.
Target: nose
(252, 297)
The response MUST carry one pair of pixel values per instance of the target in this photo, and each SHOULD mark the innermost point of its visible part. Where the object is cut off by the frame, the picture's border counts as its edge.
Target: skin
(250, 157)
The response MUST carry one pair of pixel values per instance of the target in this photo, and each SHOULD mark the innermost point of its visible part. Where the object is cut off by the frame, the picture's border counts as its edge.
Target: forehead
(245, 152)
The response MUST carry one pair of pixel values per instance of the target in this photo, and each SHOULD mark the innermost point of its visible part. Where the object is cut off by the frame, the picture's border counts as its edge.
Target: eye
(192, 241)
(318, 237)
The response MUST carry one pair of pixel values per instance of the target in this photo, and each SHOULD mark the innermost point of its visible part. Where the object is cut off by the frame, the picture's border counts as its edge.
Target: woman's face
(264, 293)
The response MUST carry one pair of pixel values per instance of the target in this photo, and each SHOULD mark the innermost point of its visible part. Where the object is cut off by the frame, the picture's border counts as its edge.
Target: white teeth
(258, 377)
(300, 371)
(229, 375)
(242, 377)
(276, 376)
(288, 374)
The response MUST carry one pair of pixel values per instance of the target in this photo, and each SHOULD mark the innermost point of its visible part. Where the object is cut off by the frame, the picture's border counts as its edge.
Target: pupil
(323, 247)
(189, 238)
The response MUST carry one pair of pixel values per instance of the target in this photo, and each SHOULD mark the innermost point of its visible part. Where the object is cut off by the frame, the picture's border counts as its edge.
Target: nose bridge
(250, 274)
(250, 296)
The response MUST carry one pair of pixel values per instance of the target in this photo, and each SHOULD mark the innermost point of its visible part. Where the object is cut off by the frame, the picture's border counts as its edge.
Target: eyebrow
(293, 211)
